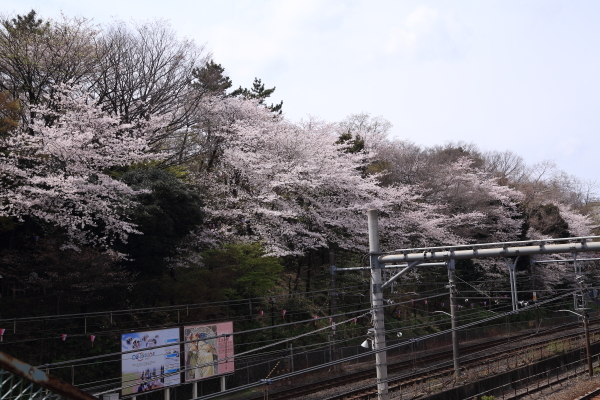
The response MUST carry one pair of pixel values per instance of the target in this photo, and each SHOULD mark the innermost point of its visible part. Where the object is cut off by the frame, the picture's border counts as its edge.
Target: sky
(519, 75)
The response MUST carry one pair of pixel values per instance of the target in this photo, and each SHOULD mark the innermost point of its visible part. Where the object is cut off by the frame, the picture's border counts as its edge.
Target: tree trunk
(309, 271)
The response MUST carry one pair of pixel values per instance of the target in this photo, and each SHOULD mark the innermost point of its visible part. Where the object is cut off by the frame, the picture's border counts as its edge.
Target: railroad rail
(424, 367)
(593, 395)
(444, 372)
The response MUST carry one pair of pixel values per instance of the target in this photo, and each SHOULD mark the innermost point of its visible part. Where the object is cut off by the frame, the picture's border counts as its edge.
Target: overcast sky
(519, 75)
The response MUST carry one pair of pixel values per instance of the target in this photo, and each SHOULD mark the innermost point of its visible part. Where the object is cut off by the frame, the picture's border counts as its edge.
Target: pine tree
(259, 92)
(210, 79)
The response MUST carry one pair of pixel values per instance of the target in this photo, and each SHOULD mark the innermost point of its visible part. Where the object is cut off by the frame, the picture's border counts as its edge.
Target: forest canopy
(125, 147)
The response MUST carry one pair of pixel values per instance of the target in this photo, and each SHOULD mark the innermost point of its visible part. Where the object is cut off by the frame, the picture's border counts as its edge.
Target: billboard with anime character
(205, 354)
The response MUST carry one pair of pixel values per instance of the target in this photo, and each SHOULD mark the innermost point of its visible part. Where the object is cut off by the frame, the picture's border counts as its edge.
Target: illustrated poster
(203, 354)
(150, 368)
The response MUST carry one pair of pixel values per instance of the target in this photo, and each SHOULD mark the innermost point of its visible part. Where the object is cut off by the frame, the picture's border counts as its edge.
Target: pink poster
(206, 354)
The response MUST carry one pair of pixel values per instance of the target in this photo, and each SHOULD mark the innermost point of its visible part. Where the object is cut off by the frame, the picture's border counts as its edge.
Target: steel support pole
(514, 294)
(577, 271)
(377, 308)
(575, 305)
(512, 274)
(333, 311)
(453, 309)
(588, 349)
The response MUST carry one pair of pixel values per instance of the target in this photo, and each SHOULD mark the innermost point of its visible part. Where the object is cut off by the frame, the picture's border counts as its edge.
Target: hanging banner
(202, 354)
(150, 368)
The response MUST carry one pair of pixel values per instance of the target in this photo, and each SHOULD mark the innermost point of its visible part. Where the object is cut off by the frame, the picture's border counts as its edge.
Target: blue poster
(149, 367)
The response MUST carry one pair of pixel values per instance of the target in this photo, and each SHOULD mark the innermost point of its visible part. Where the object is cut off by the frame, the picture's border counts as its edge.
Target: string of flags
(261, 313)
(63, 336)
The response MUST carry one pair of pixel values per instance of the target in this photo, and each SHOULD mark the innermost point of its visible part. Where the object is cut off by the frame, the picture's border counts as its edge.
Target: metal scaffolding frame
(21, 381)
(446, 255)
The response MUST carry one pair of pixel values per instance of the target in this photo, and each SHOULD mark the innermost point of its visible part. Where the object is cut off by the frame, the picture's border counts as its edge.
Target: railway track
(442, 372)
(593, 395)
(423, 367)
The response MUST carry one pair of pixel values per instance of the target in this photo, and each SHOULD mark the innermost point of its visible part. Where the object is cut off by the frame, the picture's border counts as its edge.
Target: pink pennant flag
(355, 320)
(63, 337)
(425, 301)
(92, 338)
(283, 314)
(2, 334)
(261, 313)
(330, 319)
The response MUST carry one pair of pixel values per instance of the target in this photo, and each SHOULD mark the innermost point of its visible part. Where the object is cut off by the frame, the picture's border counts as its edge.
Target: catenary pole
(377, 307)
(333, 310)
(453, 309)
(588, 348)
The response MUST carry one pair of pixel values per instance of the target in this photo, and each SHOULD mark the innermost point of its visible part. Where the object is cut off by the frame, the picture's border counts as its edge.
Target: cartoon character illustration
(127, 344)
(201, 354)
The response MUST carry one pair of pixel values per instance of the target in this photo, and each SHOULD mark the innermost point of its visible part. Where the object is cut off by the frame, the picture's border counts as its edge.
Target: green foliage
(259, 92)
(210, 79)
(9, 113)
(355, 143)
(252, 273)
(7, 224)
(488, 398)
(546, 219)
(26, 23)
(557, 347)
(165, 214)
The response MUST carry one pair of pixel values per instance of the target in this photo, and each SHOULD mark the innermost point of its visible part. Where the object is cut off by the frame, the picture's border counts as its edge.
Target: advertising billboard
(146, 368)
(202, 354)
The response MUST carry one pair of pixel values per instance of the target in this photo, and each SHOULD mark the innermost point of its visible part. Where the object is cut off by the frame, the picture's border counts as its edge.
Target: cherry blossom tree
(461, 188)
(296, 189)
(38, 54)
(58, 168)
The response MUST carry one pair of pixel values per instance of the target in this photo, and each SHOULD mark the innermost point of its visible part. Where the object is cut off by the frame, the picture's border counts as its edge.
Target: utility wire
(347, 359)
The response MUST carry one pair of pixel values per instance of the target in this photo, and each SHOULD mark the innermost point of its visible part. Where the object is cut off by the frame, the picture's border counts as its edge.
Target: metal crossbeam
(536, 242)
(406, 269)
(411, 255)
(557, 261)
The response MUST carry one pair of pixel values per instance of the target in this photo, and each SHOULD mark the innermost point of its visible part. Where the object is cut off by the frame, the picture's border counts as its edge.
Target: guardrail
(21, 381)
